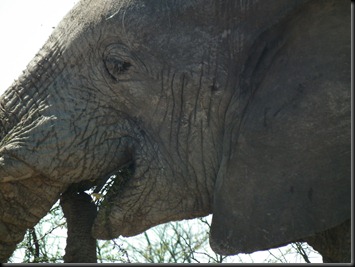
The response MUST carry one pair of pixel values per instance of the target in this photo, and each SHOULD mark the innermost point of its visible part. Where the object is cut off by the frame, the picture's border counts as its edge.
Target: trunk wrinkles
(27, 95)
(20, 105)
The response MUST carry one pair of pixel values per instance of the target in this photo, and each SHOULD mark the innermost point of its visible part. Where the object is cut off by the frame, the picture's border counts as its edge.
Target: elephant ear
(288, 174)
(257, 207)
(286, 169)
(283, 182)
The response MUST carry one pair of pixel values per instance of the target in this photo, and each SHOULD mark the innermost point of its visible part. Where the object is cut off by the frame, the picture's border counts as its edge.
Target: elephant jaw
(150, 194)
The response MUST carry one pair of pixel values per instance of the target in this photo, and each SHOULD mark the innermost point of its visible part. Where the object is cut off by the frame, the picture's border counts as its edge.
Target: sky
(25, 26)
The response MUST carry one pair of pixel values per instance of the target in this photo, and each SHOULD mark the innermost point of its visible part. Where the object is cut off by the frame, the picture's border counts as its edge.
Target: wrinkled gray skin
(236, 108)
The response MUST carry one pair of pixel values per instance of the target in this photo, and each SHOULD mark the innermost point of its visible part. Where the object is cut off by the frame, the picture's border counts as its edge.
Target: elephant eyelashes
(116, 67)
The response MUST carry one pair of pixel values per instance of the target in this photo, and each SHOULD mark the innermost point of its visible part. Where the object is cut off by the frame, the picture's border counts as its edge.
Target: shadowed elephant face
(117, 87)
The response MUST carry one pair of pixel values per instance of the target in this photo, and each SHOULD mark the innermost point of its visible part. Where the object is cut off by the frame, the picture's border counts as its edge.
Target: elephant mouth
(105, 190)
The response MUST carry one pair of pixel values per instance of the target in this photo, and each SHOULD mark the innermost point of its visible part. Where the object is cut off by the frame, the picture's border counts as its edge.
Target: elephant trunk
(21, 208)
(26, 95)
(20, 110)
(20, 106)
(52, 136)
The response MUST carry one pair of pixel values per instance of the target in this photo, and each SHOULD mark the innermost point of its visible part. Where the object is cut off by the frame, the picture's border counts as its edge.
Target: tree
(44, 242)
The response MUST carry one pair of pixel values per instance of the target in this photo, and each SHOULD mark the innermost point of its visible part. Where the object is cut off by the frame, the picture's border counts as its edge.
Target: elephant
(239, 109)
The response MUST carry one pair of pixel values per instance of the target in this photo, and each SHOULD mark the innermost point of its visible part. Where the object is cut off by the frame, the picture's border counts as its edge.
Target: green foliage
(109, 251)
(43, 243)
(174, 242)
(169, 243)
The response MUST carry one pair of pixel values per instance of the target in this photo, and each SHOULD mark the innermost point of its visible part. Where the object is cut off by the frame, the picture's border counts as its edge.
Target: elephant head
(236, 108)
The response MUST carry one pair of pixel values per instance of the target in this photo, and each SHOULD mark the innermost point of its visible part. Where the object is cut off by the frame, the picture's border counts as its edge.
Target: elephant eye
(116, 67)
